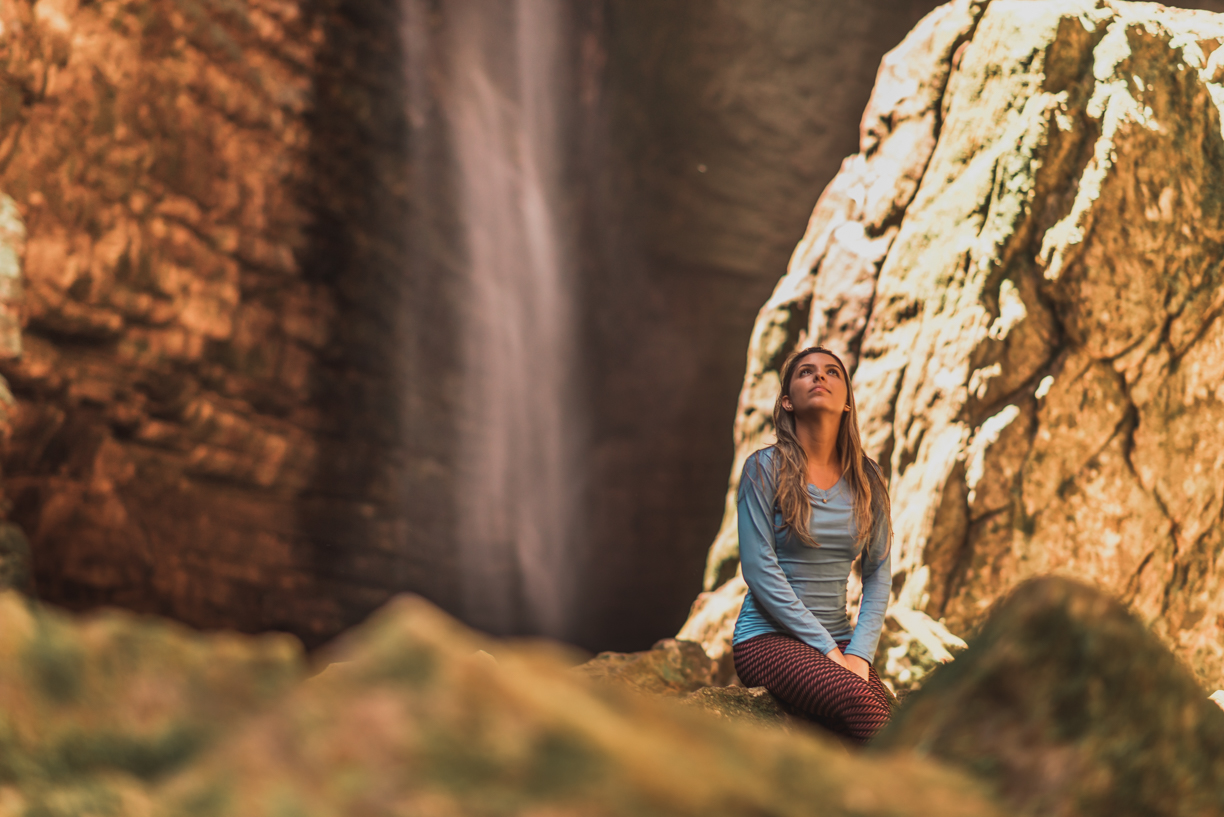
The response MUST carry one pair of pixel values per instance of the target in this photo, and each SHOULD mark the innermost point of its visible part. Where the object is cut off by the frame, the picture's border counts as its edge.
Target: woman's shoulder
(761, 458)
(765, 453)
(759, 468)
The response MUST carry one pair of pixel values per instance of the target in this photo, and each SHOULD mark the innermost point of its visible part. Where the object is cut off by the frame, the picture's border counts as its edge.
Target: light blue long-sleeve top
(801, 590)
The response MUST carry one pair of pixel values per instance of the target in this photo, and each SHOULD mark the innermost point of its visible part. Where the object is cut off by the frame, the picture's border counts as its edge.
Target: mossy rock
(1065, 703)
(94, 710)
(414, 718)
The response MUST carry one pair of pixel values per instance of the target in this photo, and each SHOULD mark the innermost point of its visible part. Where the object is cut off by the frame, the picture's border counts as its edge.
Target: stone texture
(1065, 703)
(93, 710)
(416, 720)
(711, 622)
(680, 669)
(163, 424)
(671, 667)
(114, 714)
(753, 705)
(1033, 370)
(208, 423)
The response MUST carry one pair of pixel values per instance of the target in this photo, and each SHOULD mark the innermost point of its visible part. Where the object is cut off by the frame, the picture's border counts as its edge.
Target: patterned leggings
(805, 678)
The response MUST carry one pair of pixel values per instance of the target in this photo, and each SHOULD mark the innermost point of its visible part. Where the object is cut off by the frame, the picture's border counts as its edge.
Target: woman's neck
(818, 438)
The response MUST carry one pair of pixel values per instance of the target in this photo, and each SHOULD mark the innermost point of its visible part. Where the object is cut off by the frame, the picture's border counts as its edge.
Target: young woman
(808, 506)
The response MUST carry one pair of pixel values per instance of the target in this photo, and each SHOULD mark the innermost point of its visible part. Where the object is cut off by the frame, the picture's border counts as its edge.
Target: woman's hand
(857, 665)
(851, 662)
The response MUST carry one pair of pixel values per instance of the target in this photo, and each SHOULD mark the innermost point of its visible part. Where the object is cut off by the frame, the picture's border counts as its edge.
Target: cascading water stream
(517, 481)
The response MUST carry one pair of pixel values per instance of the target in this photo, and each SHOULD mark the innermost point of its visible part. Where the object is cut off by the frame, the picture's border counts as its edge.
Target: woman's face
(817, 386)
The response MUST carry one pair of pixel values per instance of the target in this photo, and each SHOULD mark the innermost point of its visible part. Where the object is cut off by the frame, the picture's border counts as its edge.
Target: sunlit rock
(671, 667)
(1067, 703)
(1039, 347)
(711, 623)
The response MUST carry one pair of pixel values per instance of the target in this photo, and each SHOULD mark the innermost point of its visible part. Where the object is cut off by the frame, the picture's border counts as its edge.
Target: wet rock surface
(1067, 704)
(1028, 287)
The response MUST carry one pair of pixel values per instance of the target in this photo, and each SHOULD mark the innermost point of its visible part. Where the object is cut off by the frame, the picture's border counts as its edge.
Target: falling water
(517, 481)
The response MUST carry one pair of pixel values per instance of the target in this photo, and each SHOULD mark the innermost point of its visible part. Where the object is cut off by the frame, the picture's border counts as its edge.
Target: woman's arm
(877, 584)
(759, 558)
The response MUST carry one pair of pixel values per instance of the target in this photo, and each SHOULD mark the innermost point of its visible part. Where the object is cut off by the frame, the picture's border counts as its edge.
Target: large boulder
(1022, 267)
(1065, 703)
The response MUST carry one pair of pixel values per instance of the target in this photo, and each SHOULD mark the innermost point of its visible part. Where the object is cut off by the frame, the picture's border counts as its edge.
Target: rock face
(165, 423)
(125, 716)
(1021, 264)
(1066, 704)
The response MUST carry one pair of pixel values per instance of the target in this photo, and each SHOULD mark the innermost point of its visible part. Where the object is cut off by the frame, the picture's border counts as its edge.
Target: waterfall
(517, 481)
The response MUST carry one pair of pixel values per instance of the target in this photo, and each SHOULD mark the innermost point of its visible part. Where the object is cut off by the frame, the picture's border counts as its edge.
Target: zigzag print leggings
(805, 678)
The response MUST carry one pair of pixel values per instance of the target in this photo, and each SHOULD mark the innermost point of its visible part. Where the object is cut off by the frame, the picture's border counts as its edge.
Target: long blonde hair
(790, 463)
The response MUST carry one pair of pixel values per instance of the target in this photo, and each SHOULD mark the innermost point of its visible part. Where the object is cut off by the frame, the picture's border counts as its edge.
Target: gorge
(337, 322)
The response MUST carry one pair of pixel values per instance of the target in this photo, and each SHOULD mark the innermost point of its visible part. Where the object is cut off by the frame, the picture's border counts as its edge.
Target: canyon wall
(164, 426)
(1022, 264)
(206, 421)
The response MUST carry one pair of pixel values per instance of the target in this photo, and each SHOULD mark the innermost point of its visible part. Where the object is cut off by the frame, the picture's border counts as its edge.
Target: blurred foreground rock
(123, 716)
(1067, 704)
(14, 559)
(93, 710)
(415, 721)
